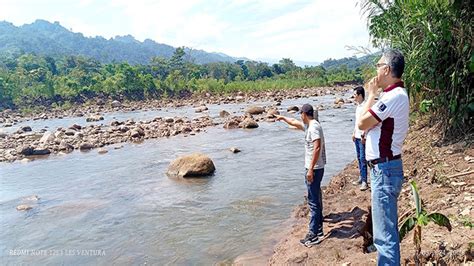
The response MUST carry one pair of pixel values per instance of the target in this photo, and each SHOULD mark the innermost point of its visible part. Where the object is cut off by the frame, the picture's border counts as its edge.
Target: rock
(25, 160)
(3, 135)
(249, 123)
(23, 207)
(223, 113)
(115, 123)
(137, 132)
(255, 110)
(272, 112)
(466, 211)
(234, 150)
(41, 152)
(75, 127)
(193, 165)
(86, 146)
(239, 98)
(123, 128)
(201, 109)
(26, 150)
(65, 146)
(102, 151)
(116, 104)
(32, 198)
(169, 120)
(293, 109)
(339, 101)
(24, 129)
(47, 137)
(231, 124)
(94, 118)
(70, 132)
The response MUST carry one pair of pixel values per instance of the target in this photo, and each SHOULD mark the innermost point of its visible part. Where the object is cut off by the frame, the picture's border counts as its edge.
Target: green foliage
(436, 37)
(31, 80)
(425, 105)
(420, 219)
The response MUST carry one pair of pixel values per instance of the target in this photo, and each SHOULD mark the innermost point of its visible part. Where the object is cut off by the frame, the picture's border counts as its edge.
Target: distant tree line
(31, 80)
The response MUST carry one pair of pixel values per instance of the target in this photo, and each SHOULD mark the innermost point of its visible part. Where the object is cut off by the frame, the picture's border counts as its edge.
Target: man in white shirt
(387, 125)
(315, 160)
(358, 137)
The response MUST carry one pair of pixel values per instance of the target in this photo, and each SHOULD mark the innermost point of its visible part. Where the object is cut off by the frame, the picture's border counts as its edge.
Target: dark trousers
(315, 201)
(360, 149)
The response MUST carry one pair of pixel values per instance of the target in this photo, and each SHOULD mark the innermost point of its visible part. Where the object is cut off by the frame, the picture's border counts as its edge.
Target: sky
(309, 31)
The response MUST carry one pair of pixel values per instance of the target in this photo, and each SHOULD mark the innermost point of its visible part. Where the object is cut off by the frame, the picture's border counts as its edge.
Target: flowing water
(121, 208)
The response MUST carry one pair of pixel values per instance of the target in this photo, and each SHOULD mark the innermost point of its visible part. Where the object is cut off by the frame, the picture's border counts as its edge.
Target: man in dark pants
(387, 125)
(315, 159)
(358, 137)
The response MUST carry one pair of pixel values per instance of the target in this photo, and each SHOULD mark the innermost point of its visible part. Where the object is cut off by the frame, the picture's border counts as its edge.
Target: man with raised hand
(387, 125)
(315, 159)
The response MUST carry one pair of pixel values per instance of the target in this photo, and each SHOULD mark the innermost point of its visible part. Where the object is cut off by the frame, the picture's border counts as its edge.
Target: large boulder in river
(193, 165)
(255, 110)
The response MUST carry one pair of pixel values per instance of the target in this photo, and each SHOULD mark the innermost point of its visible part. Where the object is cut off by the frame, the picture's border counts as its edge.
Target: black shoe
(310, 240)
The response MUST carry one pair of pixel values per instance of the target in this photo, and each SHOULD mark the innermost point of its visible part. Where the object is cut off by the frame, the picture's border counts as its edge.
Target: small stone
(293, 109)
(223, 113)
(86, 146)
(23, 207)
(466, 211)
(116, 104)
(102, 151)
(234, 150)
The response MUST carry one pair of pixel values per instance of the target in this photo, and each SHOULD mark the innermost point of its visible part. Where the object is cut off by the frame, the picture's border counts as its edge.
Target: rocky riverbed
(25, 144)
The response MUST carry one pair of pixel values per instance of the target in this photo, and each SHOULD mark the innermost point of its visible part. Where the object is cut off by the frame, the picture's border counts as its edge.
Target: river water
(121, 208)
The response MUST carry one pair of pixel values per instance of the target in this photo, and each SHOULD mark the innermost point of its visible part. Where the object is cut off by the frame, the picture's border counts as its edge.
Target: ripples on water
(123, 203)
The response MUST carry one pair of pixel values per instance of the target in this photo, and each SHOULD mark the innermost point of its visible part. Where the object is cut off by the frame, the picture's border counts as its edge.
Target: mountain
(45, 38)
(351, 62)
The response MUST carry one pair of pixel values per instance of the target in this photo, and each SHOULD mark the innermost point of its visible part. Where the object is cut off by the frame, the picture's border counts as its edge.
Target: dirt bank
(444, 174)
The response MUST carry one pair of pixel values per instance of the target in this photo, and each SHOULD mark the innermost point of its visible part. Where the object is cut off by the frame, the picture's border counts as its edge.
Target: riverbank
(96, 107)
(26, 143)
(445, 177)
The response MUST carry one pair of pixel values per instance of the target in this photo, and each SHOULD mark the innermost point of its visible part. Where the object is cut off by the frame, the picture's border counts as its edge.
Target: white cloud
(309, 30)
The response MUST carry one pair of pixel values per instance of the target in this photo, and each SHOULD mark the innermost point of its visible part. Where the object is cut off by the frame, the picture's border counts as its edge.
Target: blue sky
(303, 30)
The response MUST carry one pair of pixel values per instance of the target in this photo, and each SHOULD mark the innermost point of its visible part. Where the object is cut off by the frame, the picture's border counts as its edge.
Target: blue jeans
(360, 149)
(387, 179)
(315, 201)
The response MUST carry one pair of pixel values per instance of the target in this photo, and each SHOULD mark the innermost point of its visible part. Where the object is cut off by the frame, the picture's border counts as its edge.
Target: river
(121, 208)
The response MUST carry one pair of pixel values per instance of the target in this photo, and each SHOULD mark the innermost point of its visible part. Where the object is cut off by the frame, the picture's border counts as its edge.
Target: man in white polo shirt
(387, 125)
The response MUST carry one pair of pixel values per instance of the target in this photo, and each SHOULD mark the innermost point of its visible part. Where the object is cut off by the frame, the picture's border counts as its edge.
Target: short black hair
(360, 91)
(396, 61)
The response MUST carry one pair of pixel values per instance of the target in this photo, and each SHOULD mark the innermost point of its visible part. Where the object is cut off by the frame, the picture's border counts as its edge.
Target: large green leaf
(416, 197)
(440, 220)
(406, 227)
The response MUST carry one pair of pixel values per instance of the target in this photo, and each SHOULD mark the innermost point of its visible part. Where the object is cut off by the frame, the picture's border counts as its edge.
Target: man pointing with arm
(315, 159)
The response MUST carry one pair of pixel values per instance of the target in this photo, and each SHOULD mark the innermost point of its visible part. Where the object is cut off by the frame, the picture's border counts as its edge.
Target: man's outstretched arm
(291, 121)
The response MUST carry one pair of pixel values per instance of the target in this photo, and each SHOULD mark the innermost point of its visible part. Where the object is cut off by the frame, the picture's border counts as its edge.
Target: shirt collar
(393, 86)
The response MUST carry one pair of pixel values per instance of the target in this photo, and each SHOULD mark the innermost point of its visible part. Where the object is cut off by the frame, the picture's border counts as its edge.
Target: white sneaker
(363, 186)
(358, 182)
